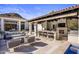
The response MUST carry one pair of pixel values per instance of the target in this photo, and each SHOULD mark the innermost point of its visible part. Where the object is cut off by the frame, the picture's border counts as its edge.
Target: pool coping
(61, 49)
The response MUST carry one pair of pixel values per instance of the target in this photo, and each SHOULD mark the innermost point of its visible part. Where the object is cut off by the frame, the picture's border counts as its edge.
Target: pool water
(69, 51)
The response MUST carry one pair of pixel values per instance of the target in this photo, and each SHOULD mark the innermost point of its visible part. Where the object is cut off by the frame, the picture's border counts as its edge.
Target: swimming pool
(69, 51)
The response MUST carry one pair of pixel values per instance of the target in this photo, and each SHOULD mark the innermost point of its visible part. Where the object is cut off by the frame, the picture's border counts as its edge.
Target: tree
(73, 24)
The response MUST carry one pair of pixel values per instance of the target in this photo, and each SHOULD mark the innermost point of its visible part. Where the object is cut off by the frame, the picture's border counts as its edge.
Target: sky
(30, 11)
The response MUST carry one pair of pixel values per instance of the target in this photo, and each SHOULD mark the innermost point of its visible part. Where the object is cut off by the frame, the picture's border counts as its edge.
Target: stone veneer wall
(63, 20)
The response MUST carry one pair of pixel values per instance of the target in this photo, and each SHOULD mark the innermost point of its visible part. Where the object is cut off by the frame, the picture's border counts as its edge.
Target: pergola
(54, 24)
(9, 21)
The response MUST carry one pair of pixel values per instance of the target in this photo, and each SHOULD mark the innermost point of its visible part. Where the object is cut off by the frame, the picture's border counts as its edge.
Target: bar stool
(45, 34)
(50, 35)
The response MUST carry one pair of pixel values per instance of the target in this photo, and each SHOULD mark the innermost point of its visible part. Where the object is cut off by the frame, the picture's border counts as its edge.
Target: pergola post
(54, 36)
(19, 25)
(30, 28)
(45, 25)
(35, 29)
(2, 25)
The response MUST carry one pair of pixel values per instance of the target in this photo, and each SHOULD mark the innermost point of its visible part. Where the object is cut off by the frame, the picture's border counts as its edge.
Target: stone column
(30, 28)
(35, 29)
(55, 36)
(19, 25)
(45, 25)
(2, 25)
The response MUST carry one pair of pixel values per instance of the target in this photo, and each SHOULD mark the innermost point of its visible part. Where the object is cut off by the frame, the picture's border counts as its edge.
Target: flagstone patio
(42, 46)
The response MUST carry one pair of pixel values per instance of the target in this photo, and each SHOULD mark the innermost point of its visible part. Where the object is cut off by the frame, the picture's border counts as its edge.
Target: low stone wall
(15, 43)
(73, 37)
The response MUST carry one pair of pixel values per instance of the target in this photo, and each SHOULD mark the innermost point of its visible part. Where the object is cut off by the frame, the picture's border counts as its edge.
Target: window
(61, 25)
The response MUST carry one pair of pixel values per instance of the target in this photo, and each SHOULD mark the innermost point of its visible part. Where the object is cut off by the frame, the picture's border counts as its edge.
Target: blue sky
(30, 11)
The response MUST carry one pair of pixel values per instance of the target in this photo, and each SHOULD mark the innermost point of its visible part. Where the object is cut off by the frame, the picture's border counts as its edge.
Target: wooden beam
(56, 17)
